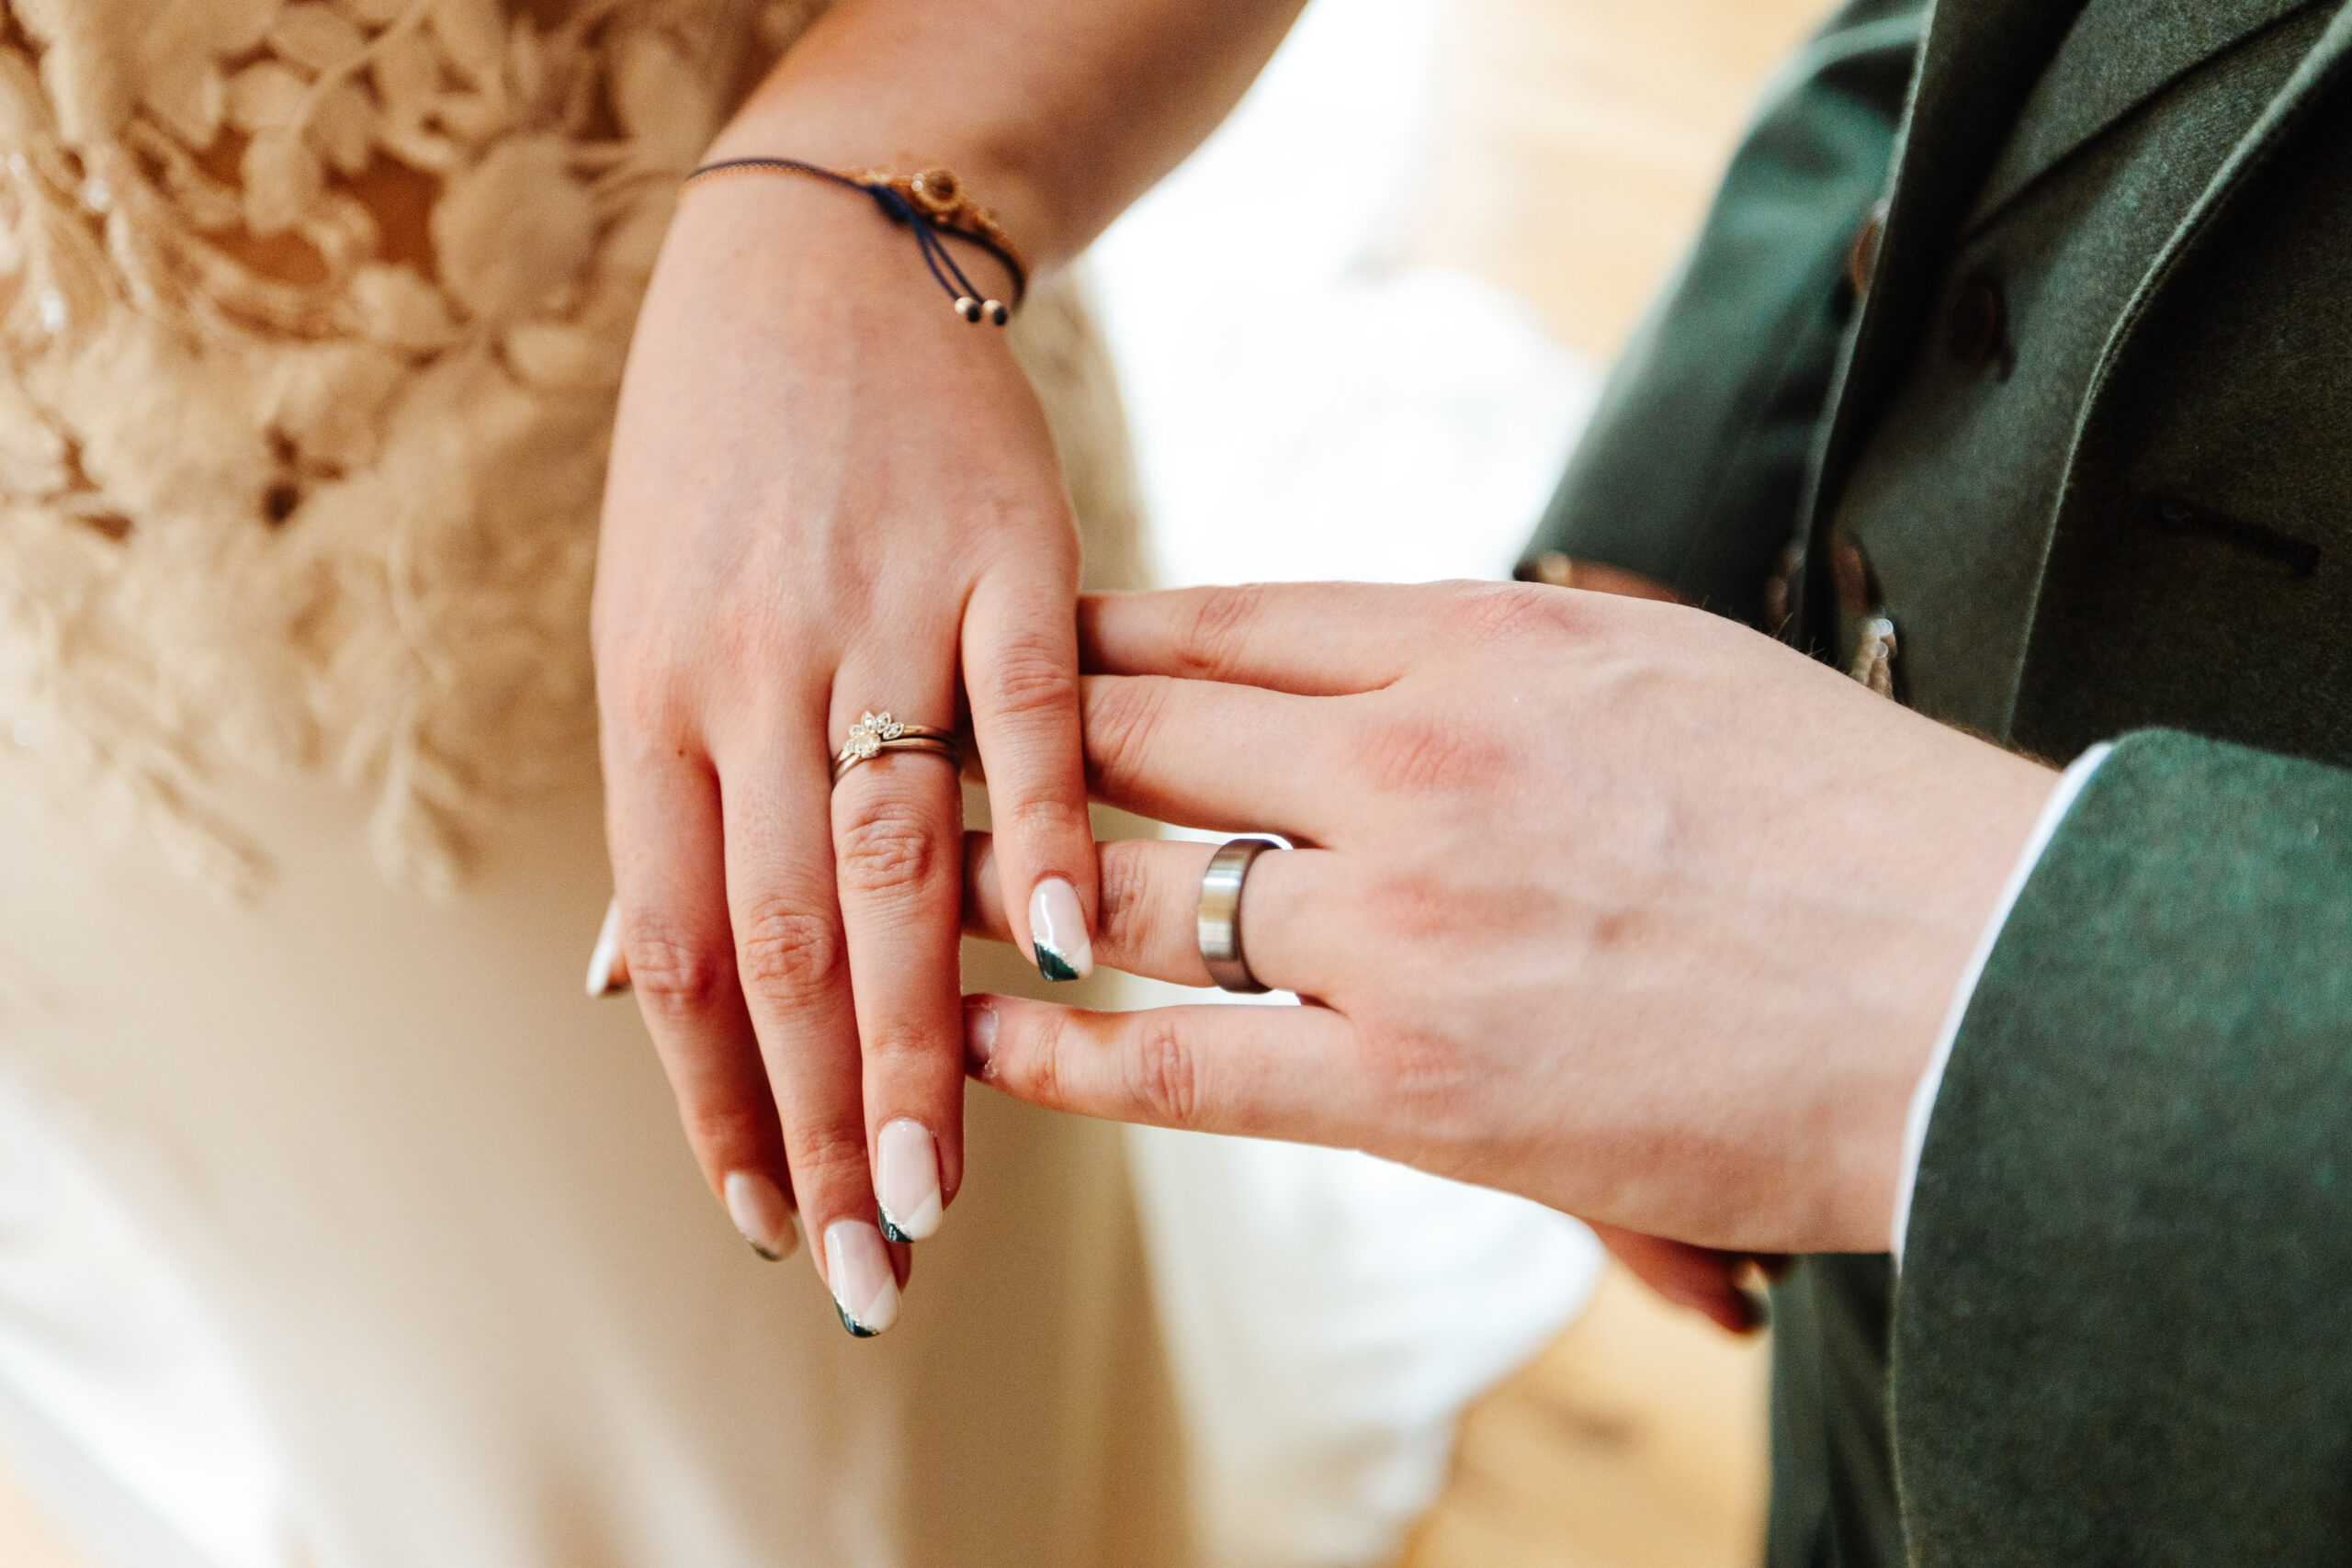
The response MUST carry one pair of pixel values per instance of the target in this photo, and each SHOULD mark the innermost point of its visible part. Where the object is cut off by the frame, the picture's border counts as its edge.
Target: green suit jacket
(2117, 1337)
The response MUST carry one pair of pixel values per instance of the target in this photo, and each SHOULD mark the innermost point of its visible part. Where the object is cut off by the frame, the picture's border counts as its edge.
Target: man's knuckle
(1508, 612)
(1030, 1064)
(1167, 1074)
(789, 948)
(1126, 918)
(887, 846)
(1416, 755)
(1214, 629)
(1123, 726)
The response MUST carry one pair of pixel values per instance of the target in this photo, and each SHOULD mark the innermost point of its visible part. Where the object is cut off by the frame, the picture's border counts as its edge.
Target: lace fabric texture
(313, 316)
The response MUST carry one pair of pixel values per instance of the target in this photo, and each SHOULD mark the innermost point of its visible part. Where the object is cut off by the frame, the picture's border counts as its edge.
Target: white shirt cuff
(1923, 1098)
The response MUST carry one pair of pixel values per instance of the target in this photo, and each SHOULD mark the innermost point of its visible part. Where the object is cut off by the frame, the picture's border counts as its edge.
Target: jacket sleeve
(2123, 1332)
(1696, 456)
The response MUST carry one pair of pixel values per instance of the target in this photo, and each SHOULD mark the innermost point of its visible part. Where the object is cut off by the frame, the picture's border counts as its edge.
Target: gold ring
(876, 733)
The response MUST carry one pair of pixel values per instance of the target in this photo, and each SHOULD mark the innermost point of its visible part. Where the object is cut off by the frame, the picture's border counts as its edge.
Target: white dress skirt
(338, 1229)
(341, 1229)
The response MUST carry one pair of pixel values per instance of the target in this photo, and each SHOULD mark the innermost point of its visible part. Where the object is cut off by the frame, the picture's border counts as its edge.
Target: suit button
(1862, 262)
(1974, 332)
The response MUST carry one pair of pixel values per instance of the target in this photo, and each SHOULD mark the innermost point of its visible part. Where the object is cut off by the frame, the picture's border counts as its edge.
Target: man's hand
(1610, 903)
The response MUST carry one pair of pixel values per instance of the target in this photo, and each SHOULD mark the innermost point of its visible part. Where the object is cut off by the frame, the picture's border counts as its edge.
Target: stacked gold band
(876, 733)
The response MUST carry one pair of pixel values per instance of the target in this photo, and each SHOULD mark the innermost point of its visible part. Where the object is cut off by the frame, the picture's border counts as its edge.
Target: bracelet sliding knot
(930, 204)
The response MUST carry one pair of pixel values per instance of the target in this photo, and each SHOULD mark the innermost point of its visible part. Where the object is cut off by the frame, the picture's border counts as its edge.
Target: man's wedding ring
(876, 733)
(1220, 923)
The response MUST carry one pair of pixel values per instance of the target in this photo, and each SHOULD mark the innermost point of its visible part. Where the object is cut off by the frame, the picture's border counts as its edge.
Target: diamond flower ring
(876, 733)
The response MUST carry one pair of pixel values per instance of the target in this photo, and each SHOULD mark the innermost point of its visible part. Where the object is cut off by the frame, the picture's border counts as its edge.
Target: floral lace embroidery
(313, 316)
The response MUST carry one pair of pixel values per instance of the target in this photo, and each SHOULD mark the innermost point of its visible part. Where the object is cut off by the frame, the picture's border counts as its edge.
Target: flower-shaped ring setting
(875, 733)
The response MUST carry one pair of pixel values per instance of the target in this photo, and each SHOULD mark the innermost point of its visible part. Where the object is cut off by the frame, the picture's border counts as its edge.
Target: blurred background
(1357, 334)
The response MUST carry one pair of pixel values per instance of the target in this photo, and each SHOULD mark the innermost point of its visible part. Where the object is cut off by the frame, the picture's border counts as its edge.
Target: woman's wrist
(786, 120)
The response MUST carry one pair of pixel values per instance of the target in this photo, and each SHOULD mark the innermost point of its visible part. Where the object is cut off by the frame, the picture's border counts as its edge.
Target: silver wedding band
(1219, 921)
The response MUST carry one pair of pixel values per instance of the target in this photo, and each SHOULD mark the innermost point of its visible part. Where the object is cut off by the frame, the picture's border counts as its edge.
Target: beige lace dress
(312, 317)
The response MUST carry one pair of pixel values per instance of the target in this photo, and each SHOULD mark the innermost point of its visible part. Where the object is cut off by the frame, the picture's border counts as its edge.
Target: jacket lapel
(2327, 66)
(1980, 60)
(2120, 54)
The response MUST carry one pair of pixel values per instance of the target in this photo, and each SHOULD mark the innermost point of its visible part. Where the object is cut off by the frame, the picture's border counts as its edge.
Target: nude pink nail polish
(906, 1181)
(857, 1269)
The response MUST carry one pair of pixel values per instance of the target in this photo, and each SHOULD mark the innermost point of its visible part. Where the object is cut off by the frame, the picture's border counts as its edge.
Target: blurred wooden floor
(1578, 141)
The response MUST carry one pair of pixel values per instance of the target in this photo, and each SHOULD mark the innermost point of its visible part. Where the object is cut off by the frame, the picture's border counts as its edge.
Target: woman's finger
(671, 929)
(1152, 892)
(1021, 674)
(1287, 1072)
(1311, 638)
(898, 825)
(794, 964)
(1201, 754)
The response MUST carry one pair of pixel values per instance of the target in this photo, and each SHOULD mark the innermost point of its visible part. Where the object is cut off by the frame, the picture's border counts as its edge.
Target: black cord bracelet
(930, 205)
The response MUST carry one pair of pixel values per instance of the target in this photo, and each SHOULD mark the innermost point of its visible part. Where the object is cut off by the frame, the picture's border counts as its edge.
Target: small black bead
(997, 313)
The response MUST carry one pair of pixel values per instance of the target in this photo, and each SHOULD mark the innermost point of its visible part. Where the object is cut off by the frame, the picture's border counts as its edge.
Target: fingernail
(1057, 932)
(906, 1181)
(858, 1268)
(607, 949)
(979, 1034)
(761, 1212)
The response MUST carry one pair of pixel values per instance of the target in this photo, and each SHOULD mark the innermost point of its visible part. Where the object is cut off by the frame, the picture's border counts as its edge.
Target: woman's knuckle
(674, 973)
(1032, 675)
(1167, 1074)
(725, 1131)
(1040, 819)
(886, 846)
(789, 948)
(908, 1048)
(829, 1159)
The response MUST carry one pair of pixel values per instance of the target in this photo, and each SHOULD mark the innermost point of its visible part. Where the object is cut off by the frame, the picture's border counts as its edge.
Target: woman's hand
(1614, 904)
(827, 493)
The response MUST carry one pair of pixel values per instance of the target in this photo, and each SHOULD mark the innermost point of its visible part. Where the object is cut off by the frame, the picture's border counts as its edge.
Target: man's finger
(1706, 1281)
(1285, 1072)
(1151, 890)
(1021, 674)
(1231, 759)
(1310, 639)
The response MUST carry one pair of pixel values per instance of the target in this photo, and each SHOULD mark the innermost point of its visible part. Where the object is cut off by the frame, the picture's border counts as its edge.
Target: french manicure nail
(607, 949)
(1057, 932)
(858, 1267)
(979, 1035)
(906, 1181)
(760, 1210)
